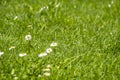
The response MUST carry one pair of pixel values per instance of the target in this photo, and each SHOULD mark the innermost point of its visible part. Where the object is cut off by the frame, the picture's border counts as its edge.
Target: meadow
(59, 39)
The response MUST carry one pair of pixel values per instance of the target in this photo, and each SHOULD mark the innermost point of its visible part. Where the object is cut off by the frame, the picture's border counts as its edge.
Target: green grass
(87, 33)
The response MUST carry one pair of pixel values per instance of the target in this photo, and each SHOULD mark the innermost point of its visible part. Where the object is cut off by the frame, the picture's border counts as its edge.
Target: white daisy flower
(1, 53)
(42, 55)
(49, 50)
(53, 44)
(112, 2)
(39, 75)
(47, 7)
(22, 54)
(46, 74)
(28, 37)
(15, 78)
(109, 5)
(49, 66)
(46, 70)
(12, 47)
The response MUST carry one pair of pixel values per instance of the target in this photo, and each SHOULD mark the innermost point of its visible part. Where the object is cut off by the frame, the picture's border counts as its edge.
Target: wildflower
(15, 17)
(39, 75)
(1, 53)
(109, 5)
(12, 47)
(53, 44)
(46, 74)
(112, 2)
(42, 55)
(111, 33)
(28, 37)
(15, 78)
(49, 66)
(47, 7)
(22, 54)
(46, 70)
(49, 50)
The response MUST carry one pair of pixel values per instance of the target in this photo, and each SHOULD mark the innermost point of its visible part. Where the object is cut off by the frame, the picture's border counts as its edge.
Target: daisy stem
(29, 43)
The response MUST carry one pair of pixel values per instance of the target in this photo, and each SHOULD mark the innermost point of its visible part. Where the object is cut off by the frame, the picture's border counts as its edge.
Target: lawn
(59, 40)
